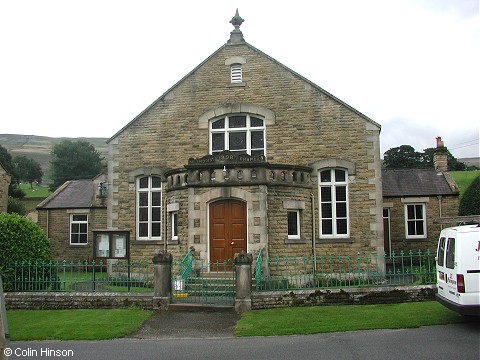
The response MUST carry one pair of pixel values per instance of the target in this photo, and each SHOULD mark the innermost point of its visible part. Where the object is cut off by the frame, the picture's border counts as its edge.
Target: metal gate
(203, 282)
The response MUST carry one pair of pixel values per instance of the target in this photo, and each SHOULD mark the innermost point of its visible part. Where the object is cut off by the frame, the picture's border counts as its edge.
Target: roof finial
(236, 36)
(237, 20)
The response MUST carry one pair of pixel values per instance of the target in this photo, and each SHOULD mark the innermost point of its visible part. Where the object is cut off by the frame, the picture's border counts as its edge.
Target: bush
(20, 240)
(470, 201)
(16, 206)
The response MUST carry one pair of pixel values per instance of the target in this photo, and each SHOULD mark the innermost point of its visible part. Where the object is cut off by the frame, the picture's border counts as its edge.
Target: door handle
(232, 243)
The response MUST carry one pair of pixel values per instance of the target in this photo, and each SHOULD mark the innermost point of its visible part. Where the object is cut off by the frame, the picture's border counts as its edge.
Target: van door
(450, 270)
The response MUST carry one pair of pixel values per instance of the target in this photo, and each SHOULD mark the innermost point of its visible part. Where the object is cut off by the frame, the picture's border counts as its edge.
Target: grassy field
(326, 319)
(79, 324)
(464, 178)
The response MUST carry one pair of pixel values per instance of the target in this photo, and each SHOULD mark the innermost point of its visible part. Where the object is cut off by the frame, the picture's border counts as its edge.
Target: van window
(450, 258)
(441, 251)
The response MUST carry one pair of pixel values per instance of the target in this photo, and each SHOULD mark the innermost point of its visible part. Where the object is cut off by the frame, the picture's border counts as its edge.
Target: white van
(458, 269)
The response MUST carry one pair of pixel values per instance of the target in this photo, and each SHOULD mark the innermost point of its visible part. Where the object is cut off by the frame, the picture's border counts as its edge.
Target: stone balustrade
(237, 175)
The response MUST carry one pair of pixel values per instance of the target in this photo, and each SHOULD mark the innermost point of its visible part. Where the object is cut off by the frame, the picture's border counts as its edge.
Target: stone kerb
(243, 282)
(162, 279)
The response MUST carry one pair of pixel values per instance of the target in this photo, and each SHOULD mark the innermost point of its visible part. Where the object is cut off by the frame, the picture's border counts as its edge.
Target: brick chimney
(440, 156)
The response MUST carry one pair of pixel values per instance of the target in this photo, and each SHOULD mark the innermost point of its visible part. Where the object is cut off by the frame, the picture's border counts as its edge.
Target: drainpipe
(440, 209)
(165, 223)
(48, 223)
(314, 245)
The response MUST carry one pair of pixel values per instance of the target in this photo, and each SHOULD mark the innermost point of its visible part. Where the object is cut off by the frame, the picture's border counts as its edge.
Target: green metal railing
(203, 282)
(70, 276)
(259, 269)
(339, 271)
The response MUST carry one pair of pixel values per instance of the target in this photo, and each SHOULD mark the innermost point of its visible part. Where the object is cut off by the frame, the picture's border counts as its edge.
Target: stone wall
(56, 224)
(58, 301)
(348, 296)
(260, 300)
(449, 208)
(304, 125)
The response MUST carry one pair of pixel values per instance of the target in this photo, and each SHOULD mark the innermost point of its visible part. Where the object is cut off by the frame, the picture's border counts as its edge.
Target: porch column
(162, 280)
(243, 282)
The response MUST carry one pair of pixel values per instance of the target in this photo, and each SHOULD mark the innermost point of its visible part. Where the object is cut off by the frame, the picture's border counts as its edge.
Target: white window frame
(226, 130)
(174, 224)
(332, 185)
(297, 234)
(415, 219)
(236, 73)
(150, 190)
(79, 233)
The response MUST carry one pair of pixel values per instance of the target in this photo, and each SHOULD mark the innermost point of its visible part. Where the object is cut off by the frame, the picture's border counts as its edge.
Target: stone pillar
(162, 280)
(243, 282)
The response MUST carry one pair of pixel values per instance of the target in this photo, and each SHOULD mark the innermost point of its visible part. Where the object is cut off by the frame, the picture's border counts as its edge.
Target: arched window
(149, 208)
(333, 190)
(242, 134)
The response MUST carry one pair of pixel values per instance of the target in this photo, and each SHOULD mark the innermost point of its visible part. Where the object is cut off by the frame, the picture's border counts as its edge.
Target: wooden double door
(228, 230)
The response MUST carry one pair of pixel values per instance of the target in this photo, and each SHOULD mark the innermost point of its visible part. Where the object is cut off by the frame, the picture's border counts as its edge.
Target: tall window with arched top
(334, 207)
(149, 208)
(242, 134)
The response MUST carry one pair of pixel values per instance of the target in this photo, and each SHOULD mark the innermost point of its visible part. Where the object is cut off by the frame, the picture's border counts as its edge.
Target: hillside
(39, 148)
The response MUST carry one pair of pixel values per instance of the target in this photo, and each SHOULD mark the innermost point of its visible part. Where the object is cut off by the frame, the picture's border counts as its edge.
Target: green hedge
(20, 240)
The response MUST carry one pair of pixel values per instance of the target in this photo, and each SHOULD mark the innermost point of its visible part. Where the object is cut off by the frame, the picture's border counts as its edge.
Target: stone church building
(244, 154)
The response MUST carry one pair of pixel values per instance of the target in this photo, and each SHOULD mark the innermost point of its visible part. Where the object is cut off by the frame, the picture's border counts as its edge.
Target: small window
(441, 252)
(78, 229)
(236, 73)
(293, 218)
(415, 224)
(174, 225)
(450, 256)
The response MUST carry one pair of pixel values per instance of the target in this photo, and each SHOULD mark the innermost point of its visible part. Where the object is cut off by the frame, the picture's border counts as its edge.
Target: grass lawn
(464, 178)
(79, 324)
(38, 191)
(325, 319)
(103, 324)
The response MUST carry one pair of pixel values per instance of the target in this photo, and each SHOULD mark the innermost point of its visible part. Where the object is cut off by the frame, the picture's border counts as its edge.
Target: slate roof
(417, 182)
(72, 194)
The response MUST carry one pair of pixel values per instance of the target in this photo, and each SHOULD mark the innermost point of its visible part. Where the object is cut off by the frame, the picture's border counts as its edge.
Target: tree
(453, 163)
(470, 201)
(402, 157)
(74, 161)
(20, 240)
(28, 170)
(6, 160)
(405, 157)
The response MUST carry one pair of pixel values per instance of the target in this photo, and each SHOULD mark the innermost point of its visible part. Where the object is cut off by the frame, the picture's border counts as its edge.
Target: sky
(86, 68)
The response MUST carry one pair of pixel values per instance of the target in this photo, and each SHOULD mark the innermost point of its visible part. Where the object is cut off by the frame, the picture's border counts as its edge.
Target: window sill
(76, 245)
(417, 239)
(349, 240)
(240, 84)
(295, 241)
(153, 242)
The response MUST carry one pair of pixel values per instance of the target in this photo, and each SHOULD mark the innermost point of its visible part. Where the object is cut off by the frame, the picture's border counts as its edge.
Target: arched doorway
(228, 230)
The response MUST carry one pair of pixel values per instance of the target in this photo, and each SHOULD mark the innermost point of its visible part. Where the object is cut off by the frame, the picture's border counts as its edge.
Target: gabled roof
(72, 194)
(261, 53)
(417, 182)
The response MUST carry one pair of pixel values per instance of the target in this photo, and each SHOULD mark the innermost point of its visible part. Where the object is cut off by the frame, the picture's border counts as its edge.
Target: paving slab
(194, 323)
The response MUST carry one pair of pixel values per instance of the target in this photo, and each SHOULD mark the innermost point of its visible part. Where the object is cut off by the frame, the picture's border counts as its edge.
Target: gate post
(162, 280)
(243, 282)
